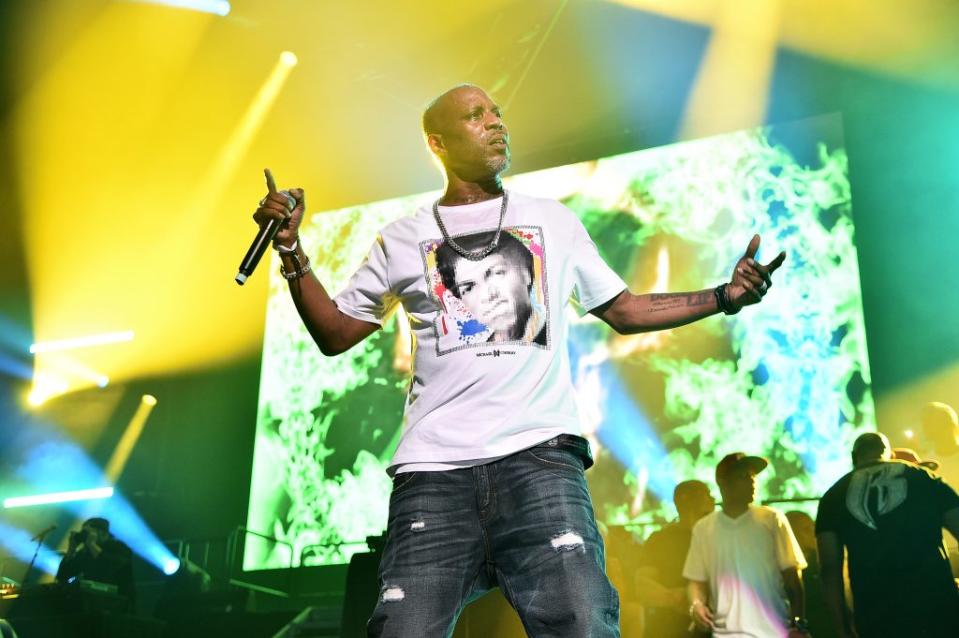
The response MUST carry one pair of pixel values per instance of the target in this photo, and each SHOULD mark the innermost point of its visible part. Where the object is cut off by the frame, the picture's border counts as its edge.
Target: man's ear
(435, 142)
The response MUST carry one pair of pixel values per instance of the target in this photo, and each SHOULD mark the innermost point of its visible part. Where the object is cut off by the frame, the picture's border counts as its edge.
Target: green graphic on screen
(788, 379)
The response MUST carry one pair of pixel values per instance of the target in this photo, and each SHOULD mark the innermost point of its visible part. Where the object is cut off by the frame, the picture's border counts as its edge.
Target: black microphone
(41, 535)
(257, 248)
(261, 241)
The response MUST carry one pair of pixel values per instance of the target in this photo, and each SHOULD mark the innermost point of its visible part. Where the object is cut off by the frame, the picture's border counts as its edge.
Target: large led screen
(788, 379)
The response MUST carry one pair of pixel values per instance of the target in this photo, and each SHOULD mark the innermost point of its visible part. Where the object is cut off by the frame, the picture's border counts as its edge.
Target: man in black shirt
(94, 554)
(660, 581)
(889, 515)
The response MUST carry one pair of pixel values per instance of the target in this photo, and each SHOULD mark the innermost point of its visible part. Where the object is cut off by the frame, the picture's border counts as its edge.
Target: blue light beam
(53, 466)
(17, 542)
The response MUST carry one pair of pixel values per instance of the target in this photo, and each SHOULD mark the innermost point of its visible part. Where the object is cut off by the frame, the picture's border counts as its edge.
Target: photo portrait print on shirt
(500, 299)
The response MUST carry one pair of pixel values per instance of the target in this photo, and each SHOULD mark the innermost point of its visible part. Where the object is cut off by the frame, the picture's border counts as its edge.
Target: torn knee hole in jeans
(567, 541)
(393, 594)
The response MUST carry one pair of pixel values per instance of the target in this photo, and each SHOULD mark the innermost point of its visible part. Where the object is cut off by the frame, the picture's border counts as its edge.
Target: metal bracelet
(299, 269)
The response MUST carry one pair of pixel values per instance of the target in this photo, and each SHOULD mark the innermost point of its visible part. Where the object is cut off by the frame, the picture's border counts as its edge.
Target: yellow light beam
(731, 91)
(45, 386)
(121, 454)
(622, 346)
(403, 346)
(913, 40)
(56, 373)
(242, 135)
(216, 7)
(81, 376)
(899, 409)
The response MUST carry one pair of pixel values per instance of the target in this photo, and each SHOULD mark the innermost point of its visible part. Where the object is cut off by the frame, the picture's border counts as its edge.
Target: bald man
(488, 483)
(888, 515)
(939, 439)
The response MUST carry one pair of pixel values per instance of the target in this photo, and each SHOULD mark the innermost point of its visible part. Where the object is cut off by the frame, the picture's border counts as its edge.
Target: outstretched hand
(751, 280)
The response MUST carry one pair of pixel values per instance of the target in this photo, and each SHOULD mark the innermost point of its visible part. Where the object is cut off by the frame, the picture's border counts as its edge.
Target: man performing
(888, 515)
(488, 486)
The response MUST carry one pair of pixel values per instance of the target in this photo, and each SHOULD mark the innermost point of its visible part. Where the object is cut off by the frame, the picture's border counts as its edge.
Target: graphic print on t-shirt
(500, 299)
(876, 491)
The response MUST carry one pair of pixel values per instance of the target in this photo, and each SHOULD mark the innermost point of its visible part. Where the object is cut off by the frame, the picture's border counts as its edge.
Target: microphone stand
(36, 552)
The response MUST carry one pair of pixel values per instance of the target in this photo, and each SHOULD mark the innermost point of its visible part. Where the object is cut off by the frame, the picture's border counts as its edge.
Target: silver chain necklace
(468, 254)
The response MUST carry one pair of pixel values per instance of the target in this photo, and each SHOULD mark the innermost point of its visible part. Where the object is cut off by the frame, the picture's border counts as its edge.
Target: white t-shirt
(491, 366)
(742, 560)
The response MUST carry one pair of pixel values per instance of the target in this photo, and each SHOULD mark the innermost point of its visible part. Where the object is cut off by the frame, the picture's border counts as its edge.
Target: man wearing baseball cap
(744, 562)
(888, 514)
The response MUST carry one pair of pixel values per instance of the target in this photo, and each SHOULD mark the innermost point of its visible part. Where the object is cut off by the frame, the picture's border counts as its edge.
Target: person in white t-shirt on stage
(744, 563)
(488, 483)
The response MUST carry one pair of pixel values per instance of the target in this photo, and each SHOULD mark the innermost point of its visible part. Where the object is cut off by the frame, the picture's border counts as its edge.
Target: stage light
(65, 366)
(55, 463)
(909, 434)
(223, 168)
(170, 566)
(13, 335)
(58, 497)
(628, 434)
(69, 293)
(36, 398)
(57, 373)
(15, 367)
(822, 30)
(731, 90)
(121, 454)
(82, 342)
(904, 404)
(216, 7)
(45, 386)
(19, 544)
(622, 346)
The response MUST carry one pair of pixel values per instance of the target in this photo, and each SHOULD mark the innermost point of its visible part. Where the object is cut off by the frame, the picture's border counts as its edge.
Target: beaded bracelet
(722, 300)
(299, 269)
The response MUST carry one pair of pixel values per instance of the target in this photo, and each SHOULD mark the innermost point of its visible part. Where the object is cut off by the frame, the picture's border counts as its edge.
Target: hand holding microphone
(279, 215)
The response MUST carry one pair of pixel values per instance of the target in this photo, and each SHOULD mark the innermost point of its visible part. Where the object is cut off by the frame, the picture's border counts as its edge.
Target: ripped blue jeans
(524, 523)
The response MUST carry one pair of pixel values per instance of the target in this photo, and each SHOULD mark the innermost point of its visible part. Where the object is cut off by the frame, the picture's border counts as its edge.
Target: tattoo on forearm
(672, 300)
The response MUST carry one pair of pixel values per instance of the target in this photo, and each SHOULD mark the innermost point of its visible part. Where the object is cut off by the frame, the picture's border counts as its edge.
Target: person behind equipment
(94, 554)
